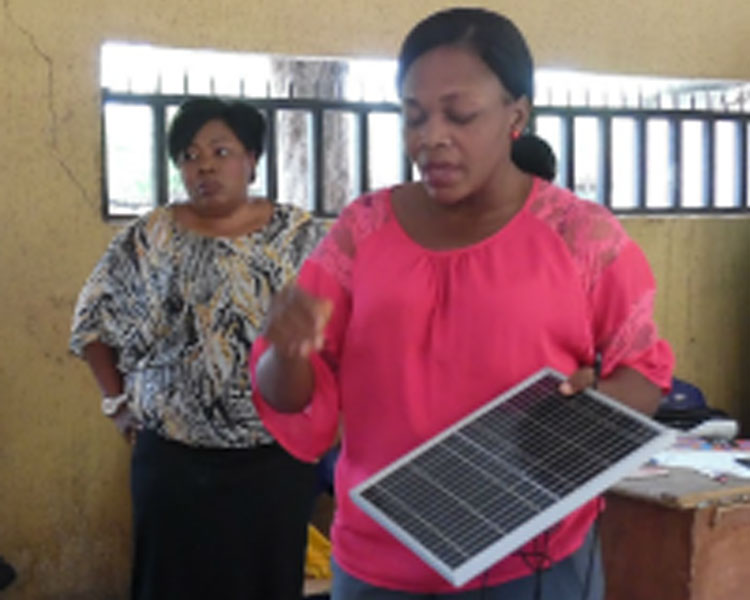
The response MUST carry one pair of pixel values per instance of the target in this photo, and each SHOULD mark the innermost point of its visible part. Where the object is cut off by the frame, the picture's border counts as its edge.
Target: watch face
(111, 404)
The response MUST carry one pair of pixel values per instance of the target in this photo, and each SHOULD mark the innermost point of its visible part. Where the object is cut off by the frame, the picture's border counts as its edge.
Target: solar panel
(482, 488)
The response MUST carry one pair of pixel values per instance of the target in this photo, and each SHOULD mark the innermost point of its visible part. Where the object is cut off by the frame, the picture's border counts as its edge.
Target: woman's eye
(412, 115)
(461, 118)
(221, 151)
(415, 120)
(188, 156)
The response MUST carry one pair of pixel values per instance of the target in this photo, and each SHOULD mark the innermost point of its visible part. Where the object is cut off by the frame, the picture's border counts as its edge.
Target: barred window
(638, 145)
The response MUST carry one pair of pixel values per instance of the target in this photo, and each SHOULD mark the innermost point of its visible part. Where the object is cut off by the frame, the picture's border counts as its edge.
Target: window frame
(316, 108)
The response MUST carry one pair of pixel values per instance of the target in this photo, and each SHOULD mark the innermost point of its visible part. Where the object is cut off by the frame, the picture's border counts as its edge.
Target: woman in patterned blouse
(166, 322)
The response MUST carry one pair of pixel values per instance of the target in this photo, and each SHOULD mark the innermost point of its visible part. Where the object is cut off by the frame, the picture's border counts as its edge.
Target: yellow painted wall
(702, 266)
(64, 506)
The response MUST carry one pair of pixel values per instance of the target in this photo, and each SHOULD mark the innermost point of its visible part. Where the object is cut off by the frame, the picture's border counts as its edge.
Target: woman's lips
(208, 188)
(439, 174)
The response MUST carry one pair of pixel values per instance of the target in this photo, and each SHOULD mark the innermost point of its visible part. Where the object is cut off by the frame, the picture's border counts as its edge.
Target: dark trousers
(577, 577)
(224, 524)
(7, 573)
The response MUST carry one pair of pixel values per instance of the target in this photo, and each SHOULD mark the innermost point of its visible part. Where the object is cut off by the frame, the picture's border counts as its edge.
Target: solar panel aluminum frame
(543, 520)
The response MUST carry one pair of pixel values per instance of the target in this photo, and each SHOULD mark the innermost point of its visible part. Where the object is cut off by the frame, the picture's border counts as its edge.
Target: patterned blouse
(182, 311)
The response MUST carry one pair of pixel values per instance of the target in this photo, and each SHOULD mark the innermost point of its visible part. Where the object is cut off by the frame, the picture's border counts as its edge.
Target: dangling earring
(515, 134)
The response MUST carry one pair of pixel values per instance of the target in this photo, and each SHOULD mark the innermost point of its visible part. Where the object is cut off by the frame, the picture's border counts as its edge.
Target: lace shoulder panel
(592, 234)
(360, 219)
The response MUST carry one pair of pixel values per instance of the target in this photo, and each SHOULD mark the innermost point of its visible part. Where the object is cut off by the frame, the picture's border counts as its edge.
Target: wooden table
(680, 536)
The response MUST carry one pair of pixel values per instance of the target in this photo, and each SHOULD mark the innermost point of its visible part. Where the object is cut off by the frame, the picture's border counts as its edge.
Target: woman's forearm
(633, 389)
(286, 383)
(102, 361)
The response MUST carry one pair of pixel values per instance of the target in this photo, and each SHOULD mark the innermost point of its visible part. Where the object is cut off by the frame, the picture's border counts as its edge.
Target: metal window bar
(604, 191)
(743, 197)
(317, 159)
(160, 151)
(641, 162)
(709, 126)
(675, 160)
(363, 135)
(567, 160)
(272, 181)
(159, 104)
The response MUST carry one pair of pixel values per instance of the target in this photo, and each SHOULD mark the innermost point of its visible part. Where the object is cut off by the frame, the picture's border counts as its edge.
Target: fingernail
(566, 388)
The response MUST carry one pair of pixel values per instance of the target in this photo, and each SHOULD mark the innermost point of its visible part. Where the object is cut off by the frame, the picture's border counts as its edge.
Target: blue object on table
(685, 407)
(683, 396)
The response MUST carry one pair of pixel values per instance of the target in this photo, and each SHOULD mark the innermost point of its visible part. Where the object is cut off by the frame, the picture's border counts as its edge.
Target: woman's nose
(205, 162)
(434, 133)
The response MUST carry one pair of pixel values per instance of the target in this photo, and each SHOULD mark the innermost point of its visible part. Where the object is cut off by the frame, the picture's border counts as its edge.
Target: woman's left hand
(580, 380)
(624, 384)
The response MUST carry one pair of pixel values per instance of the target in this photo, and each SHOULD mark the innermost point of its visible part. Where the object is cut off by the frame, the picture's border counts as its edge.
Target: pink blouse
(420, 338)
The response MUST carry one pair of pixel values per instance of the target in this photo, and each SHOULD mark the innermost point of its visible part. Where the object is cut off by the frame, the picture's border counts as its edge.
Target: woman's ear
(252, 159)
(521, 114)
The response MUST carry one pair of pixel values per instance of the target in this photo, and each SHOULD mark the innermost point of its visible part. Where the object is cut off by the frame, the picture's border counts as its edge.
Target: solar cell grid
(481, 489)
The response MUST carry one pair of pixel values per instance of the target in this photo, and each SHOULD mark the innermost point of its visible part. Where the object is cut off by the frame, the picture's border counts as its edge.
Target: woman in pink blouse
(427, 300)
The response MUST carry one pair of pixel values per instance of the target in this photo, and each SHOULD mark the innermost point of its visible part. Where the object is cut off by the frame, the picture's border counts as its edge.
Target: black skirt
(224, 524)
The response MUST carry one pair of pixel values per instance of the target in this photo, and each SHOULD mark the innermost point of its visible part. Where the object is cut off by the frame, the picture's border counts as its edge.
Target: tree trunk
(295, 143)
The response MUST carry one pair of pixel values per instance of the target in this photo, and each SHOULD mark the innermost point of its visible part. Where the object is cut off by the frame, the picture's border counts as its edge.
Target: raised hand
(296, 322)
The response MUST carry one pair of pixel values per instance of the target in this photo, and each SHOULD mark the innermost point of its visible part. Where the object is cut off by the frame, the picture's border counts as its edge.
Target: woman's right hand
(296, 322)
(127, 423)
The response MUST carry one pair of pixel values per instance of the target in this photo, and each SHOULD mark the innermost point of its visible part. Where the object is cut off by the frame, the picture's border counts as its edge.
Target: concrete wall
(64, 505)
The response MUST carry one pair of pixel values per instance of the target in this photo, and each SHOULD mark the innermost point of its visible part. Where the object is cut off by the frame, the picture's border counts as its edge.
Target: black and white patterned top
(182, 311)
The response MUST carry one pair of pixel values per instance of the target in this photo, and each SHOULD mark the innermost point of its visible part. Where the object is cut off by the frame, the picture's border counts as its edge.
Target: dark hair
(244, 120)
(495, 39)
(535, 156)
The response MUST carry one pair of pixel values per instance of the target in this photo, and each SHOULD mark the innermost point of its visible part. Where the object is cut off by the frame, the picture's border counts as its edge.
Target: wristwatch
(111, 404)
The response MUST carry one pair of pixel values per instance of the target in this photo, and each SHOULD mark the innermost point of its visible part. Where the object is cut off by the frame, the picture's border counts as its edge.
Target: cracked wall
(64, 519)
